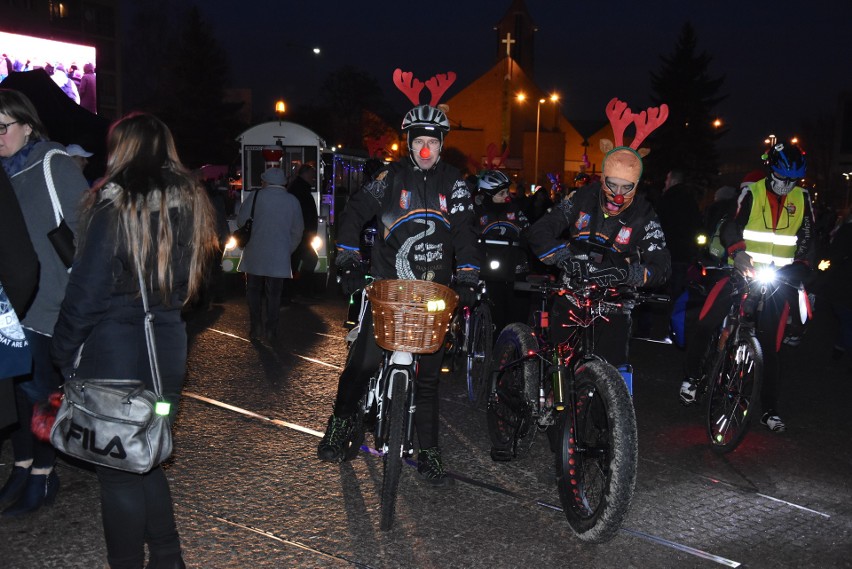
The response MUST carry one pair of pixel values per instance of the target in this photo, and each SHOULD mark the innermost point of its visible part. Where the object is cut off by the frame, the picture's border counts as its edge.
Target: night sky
(785, 62)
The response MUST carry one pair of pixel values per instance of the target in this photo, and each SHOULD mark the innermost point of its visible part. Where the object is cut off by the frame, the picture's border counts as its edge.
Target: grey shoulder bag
(116, 423)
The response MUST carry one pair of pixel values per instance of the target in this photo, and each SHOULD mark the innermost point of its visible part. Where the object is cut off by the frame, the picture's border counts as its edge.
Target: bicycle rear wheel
(733, 392)
(513, 392)
(479, 354)
(392, 458)
(597, 464)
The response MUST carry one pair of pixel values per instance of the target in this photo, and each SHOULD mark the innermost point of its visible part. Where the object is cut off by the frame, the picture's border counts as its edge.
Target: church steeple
(515, 36)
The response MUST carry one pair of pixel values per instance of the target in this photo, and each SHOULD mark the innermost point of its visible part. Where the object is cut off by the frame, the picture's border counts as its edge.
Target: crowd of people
(146, 210)
(78, 83)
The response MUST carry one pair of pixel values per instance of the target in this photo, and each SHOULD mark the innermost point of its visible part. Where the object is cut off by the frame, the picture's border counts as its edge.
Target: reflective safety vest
(764, 244)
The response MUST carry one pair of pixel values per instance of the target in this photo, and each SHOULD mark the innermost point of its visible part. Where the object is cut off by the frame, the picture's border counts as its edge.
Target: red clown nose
(424, 153)
(618, 199)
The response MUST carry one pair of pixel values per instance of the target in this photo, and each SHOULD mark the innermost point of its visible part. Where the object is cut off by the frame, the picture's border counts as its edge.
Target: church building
(489, 112)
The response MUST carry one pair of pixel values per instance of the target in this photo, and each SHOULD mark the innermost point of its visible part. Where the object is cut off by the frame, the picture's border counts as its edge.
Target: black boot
(40, 490)
(13, 487)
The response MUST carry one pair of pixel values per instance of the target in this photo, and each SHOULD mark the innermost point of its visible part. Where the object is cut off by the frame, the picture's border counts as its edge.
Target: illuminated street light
(280, 109)
(553, 98)
(717, 123)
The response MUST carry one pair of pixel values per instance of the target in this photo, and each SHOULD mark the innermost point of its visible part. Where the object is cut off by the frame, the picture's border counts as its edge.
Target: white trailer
(287, 145)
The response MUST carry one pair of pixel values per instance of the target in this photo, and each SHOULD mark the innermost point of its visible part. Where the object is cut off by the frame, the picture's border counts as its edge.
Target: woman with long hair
(148, 209)
(33, 163)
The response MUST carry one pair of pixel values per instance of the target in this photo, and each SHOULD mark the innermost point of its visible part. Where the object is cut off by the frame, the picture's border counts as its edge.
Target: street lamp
(280, 109)
(553, 98)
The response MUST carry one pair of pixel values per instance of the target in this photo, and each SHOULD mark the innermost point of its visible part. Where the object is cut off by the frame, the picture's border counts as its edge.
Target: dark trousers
(365, 358)
(29, 390)
(771, 322)
(258, 289)
(304, 261)
(137, 509)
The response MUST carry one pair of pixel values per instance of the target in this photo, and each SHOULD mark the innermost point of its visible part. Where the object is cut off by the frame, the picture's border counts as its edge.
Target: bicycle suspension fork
(405, 362)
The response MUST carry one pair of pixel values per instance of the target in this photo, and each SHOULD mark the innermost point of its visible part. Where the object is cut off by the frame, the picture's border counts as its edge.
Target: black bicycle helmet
(425, 120)
(787, 161)
(492, 182)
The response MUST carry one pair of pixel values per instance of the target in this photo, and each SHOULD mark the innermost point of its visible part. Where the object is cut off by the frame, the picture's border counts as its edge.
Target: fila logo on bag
(86, 437)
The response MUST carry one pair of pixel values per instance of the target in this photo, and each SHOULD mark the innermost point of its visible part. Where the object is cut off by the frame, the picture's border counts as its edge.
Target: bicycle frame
(559, 360)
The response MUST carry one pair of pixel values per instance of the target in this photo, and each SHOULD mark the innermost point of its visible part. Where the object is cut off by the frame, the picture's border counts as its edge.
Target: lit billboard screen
(67, 63)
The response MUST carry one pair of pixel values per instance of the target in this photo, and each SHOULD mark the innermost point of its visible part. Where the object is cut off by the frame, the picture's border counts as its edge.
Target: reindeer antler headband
(411, 86)
(622, 161)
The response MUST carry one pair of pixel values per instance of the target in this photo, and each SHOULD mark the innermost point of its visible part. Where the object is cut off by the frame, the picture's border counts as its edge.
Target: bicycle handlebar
(547, 283)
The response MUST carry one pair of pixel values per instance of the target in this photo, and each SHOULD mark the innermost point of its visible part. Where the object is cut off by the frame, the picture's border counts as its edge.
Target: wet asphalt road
(249, 492)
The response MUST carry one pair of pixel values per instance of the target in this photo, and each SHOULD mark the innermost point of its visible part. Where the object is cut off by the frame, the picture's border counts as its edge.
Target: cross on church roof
(508, 41)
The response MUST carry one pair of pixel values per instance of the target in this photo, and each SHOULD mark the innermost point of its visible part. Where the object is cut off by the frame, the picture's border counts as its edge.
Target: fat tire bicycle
(582, 402)
(410, 317)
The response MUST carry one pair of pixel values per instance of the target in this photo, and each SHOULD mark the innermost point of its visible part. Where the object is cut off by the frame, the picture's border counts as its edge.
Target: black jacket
(102, 308)
(425, 225)
(680, 218)
(18, 260)
(506, 220)
(635, 233)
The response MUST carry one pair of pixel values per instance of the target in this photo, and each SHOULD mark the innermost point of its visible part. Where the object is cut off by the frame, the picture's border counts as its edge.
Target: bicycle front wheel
(597, 464)
(392, 458)
(479, 354)
(733, 392)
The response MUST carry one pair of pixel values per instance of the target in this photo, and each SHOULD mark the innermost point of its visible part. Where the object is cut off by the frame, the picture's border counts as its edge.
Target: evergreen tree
(179, 74)
(686, 141)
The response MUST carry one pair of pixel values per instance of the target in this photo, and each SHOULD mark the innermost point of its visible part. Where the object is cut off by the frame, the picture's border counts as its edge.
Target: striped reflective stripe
(766, 259)
(766, 237)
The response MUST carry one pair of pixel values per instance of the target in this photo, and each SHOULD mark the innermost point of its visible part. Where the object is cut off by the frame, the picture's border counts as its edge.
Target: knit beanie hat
(623, 162)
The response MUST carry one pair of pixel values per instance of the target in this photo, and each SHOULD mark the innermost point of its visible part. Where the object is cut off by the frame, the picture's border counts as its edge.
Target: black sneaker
(334, 446)
(430, 468)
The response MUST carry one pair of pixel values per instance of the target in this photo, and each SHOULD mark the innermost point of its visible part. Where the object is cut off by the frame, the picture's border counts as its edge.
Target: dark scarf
(15, 163)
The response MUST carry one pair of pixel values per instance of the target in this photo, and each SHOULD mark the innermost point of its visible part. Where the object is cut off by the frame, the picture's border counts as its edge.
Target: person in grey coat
(33, 163)
(276, 231)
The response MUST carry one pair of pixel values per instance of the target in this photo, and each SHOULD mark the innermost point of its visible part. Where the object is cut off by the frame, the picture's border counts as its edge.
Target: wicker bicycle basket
(410, 315)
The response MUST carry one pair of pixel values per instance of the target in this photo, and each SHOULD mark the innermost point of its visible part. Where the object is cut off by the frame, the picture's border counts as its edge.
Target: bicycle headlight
(701, 239)
(436, 305)
(765, 275)
(494, 264)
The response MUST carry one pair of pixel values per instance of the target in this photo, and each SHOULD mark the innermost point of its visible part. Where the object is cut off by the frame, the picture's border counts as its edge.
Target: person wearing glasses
(607, 233)
(33, 163)
(773, 225)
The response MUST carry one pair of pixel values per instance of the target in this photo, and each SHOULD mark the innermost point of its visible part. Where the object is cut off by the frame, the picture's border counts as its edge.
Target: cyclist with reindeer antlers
(614, 236)
(425, 217)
